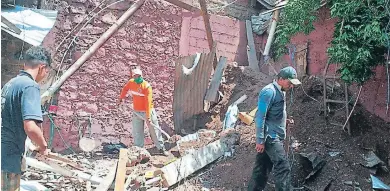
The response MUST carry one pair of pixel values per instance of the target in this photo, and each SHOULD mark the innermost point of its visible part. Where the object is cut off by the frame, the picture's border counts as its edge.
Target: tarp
(261, 23)
(35, 24)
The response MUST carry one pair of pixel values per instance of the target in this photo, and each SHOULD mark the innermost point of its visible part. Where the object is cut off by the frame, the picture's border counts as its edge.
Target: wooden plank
(251, 50)
(190, 163)
(121, 171)
(183, 5)
(212, 92)
(108, 180)
(205, 15)
(240, 100)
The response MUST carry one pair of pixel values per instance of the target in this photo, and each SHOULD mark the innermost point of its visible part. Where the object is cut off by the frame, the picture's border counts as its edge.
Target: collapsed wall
(150, 39)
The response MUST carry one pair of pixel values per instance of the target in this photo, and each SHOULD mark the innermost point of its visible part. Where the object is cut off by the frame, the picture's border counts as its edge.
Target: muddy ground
(310, 132)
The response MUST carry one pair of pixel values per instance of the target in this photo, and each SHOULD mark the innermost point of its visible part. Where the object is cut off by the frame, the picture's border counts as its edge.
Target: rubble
(373, 162)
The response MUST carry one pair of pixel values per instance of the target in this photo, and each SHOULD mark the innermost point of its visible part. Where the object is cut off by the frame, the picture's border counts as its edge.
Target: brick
(193, 41)
(219, 28)
(192, 50)
(198, 33)
(202, 43)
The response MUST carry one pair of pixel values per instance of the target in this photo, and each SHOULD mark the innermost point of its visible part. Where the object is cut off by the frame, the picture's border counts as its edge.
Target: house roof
(34, 24)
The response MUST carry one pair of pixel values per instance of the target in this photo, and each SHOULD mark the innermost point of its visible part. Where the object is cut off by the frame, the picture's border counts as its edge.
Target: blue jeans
(139, 133)
(273, 159)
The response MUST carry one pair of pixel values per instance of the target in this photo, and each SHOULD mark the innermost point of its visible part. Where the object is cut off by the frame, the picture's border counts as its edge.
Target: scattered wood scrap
(121, 170)
(212, 92)
(251, 50)
(108, 180)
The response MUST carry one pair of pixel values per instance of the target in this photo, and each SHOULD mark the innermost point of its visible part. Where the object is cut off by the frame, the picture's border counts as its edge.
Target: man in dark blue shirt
(21, 113)
(271, 118)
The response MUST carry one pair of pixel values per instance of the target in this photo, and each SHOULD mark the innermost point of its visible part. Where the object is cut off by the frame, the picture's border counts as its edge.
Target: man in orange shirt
(141, 91)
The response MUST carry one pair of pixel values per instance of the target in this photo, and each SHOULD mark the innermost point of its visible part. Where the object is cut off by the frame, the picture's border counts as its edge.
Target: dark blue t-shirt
(20, 100)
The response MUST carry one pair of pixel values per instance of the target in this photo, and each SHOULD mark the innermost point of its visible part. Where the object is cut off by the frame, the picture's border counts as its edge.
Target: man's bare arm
(35, 134)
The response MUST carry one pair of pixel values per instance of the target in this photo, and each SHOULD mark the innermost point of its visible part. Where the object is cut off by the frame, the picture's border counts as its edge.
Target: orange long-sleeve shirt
(142, 96)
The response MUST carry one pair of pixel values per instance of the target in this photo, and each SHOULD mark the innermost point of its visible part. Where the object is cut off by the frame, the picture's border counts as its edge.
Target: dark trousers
(273, 159)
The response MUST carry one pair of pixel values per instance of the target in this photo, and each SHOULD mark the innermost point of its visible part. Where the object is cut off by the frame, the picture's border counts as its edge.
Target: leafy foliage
(359, 42)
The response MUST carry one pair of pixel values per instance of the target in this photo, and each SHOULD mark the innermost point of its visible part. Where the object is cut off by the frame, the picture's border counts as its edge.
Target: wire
(63, 40)
(59, 133)
(78, 33)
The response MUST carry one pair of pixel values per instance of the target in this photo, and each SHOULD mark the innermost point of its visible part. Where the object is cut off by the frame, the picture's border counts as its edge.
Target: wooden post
(206, 19)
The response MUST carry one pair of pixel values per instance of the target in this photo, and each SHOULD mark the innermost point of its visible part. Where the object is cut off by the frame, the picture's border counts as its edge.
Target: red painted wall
(373, 96)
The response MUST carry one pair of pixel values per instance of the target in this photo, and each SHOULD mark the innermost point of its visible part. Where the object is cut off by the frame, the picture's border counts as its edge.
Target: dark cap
(289, 73)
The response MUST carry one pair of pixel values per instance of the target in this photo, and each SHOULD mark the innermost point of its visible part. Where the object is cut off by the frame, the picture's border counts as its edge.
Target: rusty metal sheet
(190, 88)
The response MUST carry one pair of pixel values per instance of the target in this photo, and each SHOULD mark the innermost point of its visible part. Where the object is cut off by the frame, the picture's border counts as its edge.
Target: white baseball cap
(137, 71)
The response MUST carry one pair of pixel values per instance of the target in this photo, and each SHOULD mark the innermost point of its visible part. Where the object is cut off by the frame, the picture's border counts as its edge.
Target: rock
(122, 6)
(91, 108)
(130, 56)
(125, 45)
(230, 137)
(94, 30)
(77, 10)
(78, 19)
(101, 53)
(109, 18)
(136, 155)
(67, 25)
(162, 39)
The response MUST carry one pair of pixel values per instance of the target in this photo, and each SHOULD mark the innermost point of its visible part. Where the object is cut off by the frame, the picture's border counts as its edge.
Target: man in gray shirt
(21, 112)
(270, 123)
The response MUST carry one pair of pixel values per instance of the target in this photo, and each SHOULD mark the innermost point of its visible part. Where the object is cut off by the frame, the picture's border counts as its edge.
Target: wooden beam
(251, 50)
(121, 171)
(183, 5)
(106, 183)
(206, 19)
(62, 171)
(190, 163)
(212, 92)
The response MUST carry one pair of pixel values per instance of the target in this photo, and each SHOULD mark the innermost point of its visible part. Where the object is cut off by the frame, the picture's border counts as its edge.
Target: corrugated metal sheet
(35, 24)
(190, 89)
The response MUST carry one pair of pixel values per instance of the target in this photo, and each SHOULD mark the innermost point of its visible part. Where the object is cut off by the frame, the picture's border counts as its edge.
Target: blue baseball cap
(291, 74)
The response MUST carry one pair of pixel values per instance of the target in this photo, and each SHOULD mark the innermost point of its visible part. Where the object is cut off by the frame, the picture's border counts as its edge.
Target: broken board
(106, 183)
(121, 171)
(251, 50)
(212, 92)
(190, 163)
